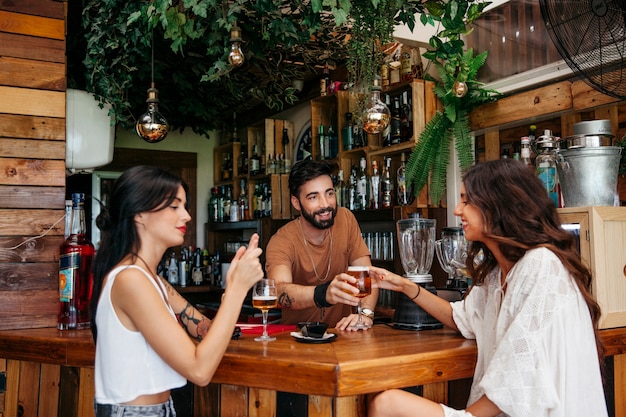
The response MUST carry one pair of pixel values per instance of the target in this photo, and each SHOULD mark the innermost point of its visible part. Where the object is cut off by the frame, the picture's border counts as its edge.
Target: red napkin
(247, 328)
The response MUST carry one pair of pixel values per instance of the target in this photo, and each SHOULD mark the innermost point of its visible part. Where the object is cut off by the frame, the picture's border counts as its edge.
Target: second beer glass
(364, 284)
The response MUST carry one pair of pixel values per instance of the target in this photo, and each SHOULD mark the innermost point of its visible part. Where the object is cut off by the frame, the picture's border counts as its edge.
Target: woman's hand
(245, 268)
(389, 281)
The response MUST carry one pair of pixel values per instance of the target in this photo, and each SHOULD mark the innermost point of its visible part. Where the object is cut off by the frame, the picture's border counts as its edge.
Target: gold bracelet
(419, 290)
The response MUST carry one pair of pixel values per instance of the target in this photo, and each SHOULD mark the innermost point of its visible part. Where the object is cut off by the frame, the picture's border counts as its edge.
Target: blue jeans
(165, 409)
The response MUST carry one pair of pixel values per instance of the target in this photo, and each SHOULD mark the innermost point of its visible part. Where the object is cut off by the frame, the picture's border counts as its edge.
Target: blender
(416, 243)
(452, 254)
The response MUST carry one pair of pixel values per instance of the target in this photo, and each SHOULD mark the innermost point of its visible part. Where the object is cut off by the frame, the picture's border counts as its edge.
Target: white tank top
(126, 365)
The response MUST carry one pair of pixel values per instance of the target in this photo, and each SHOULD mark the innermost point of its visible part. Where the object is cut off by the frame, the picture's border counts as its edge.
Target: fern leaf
(440, 167)
(421, 159)
(463, 141)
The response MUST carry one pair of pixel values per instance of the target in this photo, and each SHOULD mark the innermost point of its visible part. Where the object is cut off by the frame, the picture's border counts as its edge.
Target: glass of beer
(364, 284)
(264, 298)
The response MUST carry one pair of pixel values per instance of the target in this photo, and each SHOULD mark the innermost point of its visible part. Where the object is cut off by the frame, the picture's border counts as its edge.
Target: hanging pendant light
(235, 57)
(377, 116)
(152, 125)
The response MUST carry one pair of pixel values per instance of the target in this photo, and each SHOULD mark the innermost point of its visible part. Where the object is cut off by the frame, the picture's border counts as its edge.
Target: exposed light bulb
(235, 56)
(152, 125)
(459, 89)
(377, 116)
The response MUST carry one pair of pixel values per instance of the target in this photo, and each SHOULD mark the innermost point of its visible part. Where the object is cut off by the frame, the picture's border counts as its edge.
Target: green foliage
(454, 65)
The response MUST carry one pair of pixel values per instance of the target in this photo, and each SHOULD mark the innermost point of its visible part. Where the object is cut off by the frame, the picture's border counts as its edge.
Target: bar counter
(335, 375)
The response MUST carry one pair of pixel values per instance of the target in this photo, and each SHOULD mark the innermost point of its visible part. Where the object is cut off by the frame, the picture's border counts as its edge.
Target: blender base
(410, 316)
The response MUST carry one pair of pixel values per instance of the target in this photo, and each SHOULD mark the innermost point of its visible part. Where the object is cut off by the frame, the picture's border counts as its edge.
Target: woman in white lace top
(530, 309)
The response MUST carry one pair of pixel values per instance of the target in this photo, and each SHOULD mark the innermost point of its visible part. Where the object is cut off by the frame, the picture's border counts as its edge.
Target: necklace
(330, 255)
(153, 277)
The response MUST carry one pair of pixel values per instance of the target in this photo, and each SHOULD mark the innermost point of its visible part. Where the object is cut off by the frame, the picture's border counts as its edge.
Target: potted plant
(459, 92)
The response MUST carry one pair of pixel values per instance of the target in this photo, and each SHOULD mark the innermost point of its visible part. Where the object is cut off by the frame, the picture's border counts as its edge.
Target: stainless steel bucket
(588, 175)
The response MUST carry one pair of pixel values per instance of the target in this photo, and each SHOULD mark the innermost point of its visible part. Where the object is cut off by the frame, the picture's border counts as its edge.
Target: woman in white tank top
(149, 339)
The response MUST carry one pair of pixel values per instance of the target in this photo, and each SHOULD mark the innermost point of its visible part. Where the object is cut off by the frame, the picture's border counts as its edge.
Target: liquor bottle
(271, 164)
(340, 189)
(226, 167)
(322, 142)
(362, 186)
(396, 128)
(242, 202)
(350, 199)
(255, 161)
(375, 187)
(257, 201)
(546, 165)
(358, 134)
(242, 164)
(220, 204)
(346, 133)
(404, 193)
(406, 117)
(182, 267)
(233, 214)
(525, 152)
(326, 78)
(75, 276)
(405, 67)
(206, 266)
(532, 134)
(217, 270)
(226, 202)
(267, 194)
(197, 274)
(386, 184)
(68, 219)
(172, 269)
(213, 201)
(386, 133)
(333, 146)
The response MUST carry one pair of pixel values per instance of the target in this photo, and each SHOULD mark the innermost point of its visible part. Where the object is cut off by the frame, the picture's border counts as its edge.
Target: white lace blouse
(536, 347)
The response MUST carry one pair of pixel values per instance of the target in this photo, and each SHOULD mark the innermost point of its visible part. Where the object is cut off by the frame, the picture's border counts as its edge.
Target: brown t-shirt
(287, 247)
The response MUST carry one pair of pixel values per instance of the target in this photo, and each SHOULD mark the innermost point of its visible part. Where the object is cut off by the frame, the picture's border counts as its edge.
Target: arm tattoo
(188, 319)
(284, 300)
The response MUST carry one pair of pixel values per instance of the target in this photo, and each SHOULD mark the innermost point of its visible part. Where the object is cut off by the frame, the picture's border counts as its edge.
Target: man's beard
(325, 224)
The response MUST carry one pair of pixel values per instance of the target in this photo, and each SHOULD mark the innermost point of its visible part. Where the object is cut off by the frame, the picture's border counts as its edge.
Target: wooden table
(335, 375)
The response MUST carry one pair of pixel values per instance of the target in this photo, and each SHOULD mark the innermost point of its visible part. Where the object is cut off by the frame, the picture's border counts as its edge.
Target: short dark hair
(307, 170)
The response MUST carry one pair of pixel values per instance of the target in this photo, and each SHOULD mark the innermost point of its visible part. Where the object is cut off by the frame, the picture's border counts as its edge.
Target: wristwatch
(367, 313)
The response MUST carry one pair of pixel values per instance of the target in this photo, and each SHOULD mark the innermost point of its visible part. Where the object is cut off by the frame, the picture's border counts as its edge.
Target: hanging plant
(457, 89)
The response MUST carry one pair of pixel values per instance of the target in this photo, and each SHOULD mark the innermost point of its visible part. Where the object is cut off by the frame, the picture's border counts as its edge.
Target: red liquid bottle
(75, 275)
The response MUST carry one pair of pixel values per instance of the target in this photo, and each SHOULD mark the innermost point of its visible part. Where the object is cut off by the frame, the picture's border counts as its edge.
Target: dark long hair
(519, 215)
(139, 189)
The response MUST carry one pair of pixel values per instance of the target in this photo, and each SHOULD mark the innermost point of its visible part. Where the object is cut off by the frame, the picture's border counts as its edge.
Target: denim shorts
(165, 409)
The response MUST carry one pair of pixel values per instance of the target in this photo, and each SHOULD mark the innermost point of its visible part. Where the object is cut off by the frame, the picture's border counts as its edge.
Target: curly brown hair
(519, 215)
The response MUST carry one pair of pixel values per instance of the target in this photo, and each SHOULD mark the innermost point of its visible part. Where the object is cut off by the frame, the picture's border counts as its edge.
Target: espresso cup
(315, 329)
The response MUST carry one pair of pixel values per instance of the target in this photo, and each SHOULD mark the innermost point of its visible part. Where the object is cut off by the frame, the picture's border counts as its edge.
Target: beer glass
(264, 298)
(364, 284)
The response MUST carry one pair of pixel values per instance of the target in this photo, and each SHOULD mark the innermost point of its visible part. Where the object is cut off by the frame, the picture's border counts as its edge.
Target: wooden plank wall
(32, 159)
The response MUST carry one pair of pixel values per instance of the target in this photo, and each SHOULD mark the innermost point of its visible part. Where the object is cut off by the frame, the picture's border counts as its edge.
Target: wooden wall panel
(32, 149)
(32, 102)
(14, 196)
(45, 8)
(32, 165)
(21, 72)
(24, 24)
(21, 46)
(31, 127)
(32, 172)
